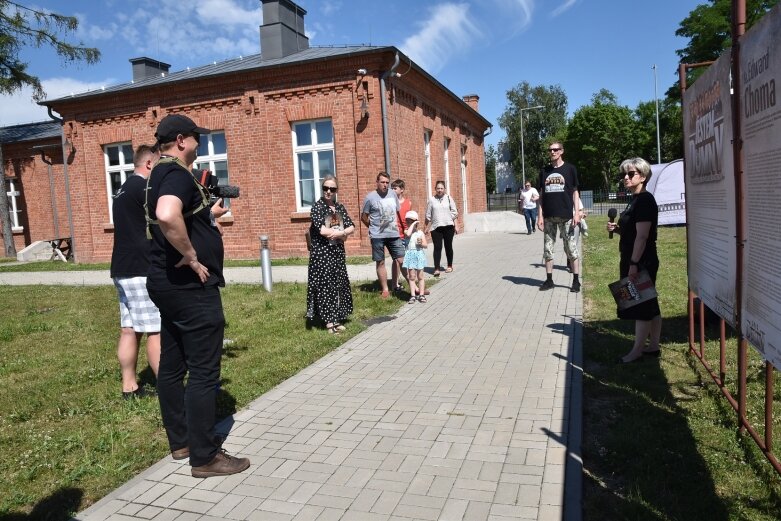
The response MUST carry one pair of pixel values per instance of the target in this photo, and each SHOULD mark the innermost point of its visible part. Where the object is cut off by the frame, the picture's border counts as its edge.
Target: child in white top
(415, 258)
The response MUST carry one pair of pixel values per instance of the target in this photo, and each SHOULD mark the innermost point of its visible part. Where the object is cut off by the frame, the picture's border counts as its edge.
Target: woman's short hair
(330, 178)
(639, 164)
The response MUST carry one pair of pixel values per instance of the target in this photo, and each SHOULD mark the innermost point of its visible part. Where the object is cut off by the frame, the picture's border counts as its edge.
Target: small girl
(415, 258)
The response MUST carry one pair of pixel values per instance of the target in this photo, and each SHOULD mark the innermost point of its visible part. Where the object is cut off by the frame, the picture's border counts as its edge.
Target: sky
(483, 47)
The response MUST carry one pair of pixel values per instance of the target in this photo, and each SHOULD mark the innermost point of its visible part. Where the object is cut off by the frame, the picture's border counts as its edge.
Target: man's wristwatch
(633, 263)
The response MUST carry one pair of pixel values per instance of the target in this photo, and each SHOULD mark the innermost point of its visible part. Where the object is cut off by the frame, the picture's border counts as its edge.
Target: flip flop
(436, 273)
(449, 269)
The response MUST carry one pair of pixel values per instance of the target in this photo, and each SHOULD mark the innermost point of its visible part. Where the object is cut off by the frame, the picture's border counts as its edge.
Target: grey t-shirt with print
(382, 214)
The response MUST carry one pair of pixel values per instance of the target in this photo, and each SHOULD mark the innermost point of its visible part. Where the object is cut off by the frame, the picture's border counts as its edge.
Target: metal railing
(594, 201)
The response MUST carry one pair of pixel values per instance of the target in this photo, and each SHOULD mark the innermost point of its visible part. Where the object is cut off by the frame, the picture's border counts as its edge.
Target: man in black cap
(184, 278)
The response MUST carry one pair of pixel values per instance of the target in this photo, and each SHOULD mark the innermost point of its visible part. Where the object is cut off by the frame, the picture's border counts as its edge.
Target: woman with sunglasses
(637, 227)
(329, 297)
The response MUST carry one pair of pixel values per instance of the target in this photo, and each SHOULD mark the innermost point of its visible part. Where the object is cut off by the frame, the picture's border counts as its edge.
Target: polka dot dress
(328, 296)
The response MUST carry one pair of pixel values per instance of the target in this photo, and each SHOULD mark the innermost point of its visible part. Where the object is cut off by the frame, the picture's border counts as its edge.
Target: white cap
(412, 214)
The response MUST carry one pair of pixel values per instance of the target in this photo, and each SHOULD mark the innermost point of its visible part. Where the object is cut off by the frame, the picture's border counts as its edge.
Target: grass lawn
(68, 438)
(660, 442)
(56, 265)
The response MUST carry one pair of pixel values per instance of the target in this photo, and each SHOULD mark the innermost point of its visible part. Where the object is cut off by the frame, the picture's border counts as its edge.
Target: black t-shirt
(557, 185)
(173, 179)
(642, 208)
(130, 256)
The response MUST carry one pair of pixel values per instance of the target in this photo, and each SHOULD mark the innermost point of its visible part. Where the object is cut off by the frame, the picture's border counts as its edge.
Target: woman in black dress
(328, 296)
(637, 227)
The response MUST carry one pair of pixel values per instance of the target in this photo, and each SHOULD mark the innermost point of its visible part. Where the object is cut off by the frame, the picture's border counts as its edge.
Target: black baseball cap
(174, 124)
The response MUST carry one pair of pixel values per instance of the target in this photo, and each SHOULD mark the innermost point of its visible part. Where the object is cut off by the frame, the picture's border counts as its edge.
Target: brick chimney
(144, 68)
(282, 32)
(471, 100)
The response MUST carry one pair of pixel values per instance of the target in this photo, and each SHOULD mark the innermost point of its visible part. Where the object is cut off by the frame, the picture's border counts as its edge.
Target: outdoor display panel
(760, 115)
(710, 189)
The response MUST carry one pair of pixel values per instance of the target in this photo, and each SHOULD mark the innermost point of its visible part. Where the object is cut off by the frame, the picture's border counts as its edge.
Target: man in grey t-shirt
(380, 209)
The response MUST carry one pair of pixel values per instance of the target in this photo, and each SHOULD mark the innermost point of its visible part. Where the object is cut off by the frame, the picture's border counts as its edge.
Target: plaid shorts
(136, 309)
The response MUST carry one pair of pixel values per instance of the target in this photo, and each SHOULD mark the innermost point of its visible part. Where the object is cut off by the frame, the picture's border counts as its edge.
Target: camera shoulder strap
(201, 190)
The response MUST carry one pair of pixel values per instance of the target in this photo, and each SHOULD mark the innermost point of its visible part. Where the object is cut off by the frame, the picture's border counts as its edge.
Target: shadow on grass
(640, 458)
(59, 506)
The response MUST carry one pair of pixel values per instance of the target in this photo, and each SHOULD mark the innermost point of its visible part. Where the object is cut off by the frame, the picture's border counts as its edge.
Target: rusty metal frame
(739, 404)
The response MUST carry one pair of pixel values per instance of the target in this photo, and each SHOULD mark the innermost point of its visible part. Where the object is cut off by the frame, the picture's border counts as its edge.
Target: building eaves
(30, 132)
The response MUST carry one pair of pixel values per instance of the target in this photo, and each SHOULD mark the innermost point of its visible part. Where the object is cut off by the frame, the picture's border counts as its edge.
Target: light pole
(523, 161)
(658, 140)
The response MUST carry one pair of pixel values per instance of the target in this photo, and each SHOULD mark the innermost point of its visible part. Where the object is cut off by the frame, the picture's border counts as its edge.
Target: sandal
(412, 299)
(333, 329)
(436, 273)
(449, 269)
(422, 299)
(339, 327)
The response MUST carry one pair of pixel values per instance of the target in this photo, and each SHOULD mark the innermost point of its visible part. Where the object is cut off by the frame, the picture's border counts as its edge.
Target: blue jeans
(193, 325)
(531, 218)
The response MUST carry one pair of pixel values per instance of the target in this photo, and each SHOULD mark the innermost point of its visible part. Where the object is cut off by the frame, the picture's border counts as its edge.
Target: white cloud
(447, 32)
(563, 7)
(20, 108)
(328, 7)
(515, 13)
(227, 12)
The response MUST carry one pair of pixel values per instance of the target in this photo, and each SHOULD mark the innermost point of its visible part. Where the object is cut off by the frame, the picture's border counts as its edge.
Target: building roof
(30, 132)
(249, 63)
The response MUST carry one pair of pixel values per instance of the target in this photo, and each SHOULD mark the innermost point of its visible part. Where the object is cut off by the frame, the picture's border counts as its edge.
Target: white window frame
(464, 192)
(125, 165)
(13, 207)
(315, 149)
(446, 161)
(210, 157)
(427, 157)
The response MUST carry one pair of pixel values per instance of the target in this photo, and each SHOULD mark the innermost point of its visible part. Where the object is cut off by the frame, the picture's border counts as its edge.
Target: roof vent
(144, 68)
(282, 32)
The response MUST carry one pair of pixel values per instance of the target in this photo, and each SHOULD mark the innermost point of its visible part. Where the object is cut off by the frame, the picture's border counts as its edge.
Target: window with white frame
(446, 162)
(427, 156)
(213, 156)
(313, 159)
(119, 165)
(13, 207)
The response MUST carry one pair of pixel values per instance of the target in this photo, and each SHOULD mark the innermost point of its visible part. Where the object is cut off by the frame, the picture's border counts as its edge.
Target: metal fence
(594, 201)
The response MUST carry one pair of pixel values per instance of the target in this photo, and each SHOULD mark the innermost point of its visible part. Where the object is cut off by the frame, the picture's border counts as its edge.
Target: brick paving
(459, 409)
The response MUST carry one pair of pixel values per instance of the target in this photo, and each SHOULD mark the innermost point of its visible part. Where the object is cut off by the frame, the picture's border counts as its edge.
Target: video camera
(211, 183)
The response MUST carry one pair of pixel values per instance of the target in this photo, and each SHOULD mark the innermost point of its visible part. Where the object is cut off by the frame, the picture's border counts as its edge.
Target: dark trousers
(438, 236)
(531, 218)
(191, 337)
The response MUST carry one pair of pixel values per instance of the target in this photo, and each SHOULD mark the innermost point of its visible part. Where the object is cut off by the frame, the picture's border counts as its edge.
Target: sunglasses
(631, 174)
(330, 189)
(554, 149)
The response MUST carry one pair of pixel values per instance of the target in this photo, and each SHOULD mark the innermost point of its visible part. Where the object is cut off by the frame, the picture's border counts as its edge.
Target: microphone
(611, 214)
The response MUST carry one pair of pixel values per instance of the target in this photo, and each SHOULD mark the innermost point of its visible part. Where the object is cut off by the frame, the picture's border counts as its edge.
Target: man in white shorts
(129, 266)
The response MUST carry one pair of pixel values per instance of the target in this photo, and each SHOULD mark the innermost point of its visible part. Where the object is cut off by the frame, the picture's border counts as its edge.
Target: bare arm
(169, 215)
(365, 219)
(576, 202)
(643, 231)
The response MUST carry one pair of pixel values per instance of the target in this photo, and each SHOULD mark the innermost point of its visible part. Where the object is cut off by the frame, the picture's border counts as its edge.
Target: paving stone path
(459, 409)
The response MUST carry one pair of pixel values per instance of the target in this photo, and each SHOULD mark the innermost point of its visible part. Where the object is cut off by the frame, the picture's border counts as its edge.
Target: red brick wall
(256, 111)
(31, 178)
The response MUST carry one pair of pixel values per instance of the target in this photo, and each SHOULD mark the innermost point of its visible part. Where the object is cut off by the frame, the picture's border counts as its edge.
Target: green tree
(490, 169)
(599, 137)
(670, 130)
(22, 26)
(708, 28)
(539, 126)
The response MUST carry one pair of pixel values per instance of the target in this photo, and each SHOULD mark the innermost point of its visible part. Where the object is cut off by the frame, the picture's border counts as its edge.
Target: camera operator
(184, 278)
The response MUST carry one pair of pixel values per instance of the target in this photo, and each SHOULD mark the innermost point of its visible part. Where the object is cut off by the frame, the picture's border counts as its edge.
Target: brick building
(281, 120)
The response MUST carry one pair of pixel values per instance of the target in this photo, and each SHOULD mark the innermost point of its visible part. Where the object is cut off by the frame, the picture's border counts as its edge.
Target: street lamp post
(523, 159)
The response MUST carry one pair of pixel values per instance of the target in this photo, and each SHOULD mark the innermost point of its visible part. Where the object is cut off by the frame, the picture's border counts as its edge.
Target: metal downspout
(67, 188)
(385, 144)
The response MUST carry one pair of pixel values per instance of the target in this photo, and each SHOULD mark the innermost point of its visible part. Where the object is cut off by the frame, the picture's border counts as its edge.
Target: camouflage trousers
(559, 226)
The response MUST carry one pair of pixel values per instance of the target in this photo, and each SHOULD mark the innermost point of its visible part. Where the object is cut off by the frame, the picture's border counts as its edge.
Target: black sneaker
(575, 286)
(548, 284)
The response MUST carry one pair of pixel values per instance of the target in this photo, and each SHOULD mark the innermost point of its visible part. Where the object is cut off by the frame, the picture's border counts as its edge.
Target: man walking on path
(184, 279)
(559, 213)
(380, 209)
(528, 201)
(129, 266)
